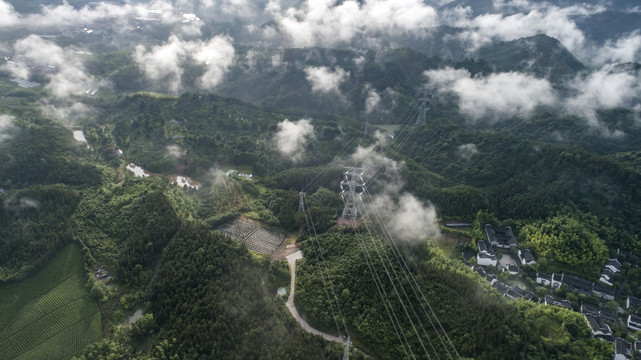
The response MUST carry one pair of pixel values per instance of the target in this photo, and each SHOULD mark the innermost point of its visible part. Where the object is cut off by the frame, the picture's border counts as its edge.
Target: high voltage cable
(331, 286)
(412, 282)
(398, 295)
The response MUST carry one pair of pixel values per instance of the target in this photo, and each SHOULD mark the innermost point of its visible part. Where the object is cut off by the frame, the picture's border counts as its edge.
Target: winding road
(291, 260)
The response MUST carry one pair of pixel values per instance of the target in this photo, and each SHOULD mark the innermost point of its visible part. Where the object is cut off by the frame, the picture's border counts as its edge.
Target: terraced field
(58, 321)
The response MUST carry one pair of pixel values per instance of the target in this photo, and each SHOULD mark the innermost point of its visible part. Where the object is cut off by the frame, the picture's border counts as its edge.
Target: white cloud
(175, 151)
(327, 22)
(624, 49)
(324, 80)
(540, 18)
(466, 151)
(603, 89)
(6, 127)
(62, 66)
(496, 95)
(372, 101)
(163, 64)
(8, 16)
(407, 218)
(217, 55)
(404, 216)
(292, 137)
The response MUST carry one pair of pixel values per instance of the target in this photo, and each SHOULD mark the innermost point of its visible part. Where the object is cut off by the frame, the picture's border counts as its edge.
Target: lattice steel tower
(352, 186)
(426, 103)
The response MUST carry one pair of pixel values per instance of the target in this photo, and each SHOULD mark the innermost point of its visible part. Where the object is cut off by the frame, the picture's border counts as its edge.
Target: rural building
(557, 280)
(613, 265)
(607, 277)
(587, 309)
(512, 269)
(578, 284)
(485, 256)
(526, 257)
(500, 236)
(600, 330)
(634, 322)
(622, 350)
(543, 279)
(632, 303)
(603, 292)
(549, 300)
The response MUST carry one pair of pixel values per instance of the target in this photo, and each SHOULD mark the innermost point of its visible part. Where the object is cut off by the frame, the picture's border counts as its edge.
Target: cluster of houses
(503, 239)
(576, 284)
(510, 292)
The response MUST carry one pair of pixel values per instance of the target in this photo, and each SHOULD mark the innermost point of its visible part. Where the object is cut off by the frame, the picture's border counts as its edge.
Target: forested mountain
(167, 166)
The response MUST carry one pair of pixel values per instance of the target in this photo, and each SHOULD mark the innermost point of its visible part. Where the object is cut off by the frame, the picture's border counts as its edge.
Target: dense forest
(133, 133)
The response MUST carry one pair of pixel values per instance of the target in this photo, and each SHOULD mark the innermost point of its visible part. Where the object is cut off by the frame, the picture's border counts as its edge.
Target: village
(605, 310)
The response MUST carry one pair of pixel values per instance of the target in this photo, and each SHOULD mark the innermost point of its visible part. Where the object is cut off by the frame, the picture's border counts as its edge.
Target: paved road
(291, 260)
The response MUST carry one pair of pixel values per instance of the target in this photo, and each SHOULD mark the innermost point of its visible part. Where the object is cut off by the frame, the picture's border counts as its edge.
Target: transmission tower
(351, 187)
(426, 103)
(301, 203)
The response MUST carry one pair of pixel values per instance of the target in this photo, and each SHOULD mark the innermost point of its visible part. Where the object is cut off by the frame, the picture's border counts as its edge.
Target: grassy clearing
(51, 315)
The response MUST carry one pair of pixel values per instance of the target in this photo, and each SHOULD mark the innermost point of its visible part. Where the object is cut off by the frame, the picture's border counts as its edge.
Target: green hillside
(50, 314)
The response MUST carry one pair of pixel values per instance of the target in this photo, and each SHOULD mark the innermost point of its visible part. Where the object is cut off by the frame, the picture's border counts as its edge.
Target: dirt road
(291, 260)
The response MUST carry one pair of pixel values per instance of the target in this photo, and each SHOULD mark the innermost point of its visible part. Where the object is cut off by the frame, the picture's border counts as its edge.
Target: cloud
(70, 113)
(403, 215)
(217, 55)
(372, 101)
(541, 18)
(175, 151)
(624, 49)
(163, 64)
(330, 22)
(62, 66)
(17, 205)
(407, 218)
(8, 16)
(603, 89)
(66, 15)
(292, 137)
(6, 127)
(496, 95)
(324, 80)
(466, 151)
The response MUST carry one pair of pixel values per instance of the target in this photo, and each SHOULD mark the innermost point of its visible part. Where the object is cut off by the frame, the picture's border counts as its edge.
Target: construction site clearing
(253, 235)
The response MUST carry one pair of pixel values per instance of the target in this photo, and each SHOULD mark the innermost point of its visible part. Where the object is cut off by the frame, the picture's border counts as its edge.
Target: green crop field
(50, 315)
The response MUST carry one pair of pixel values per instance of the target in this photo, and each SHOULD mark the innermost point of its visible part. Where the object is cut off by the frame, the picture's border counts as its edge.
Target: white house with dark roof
(543, 279)
(600, 330)
(632, 303)
(607, 277)
(500, 236)
(603, 292)
(634, 322)
(516, 292)
(549, 300)
(512, 269)
(613, 265)
(578, 284)
(557, 280)
(485, 256)
(622, 350)
(526, 257)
